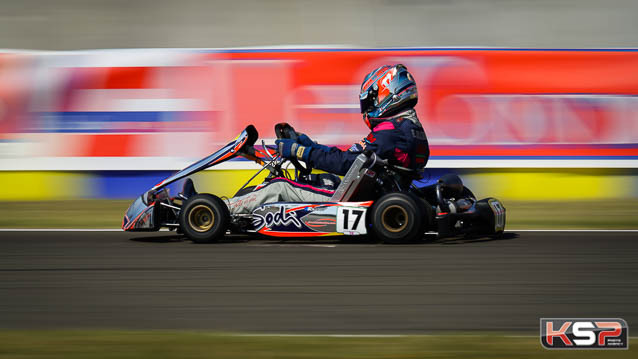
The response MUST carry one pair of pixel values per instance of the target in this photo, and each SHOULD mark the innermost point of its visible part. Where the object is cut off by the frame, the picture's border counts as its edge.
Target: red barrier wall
(476, 104)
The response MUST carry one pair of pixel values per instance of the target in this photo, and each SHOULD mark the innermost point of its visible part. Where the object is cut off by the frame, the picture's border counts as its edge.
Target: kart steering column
(285, 131)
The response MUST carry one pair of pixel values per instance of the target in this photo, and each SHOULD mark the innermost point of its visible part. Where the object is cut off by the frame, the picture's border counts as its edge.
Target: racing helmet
(386, 91)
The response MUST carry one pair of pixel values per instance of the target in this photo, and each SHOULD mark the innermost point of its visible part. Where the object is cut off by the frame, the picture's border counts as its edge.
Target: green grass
(601, 214)
(63, 214)
(165, 344)
(595, 214)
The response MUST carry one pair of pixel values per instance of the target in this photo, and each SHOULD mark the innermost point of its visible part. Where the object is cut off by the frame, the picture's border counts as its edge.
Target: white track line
(294, 245)
(166, 230)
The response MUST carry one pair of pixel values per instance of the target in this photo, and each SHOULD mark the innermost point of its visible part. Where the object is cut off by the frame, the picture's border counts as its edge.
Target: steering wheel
(284, 130)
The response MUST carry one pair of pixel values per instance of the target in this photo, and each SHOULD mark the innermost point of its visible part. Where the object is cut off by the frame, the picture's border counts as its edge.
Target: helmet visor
(366, 100)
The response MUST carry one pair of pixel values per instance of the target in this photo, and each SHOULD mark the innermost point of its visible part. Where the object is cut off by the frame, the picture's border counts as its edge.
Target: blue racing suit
(399, 139)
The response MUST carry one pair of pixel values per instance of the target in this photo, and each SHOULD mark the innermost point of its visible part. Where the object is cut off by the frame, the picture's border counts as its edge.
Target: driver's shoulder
(384, 126)
(386, 130)
(392, 125)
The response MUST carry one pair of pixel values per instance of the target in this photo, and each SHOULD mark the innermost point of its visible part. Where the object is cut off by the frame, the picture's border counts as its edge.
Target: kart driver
(388, 96)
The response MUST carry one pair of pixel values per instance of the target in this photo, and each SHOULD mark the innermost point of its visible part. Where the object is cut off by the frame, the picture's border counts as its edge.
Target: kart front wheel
(397, 218)
(204, 218)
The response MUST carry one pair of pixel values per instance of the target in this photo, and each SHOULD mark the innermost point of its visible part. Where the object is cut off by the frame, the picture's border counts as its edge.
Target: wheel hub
(394, 218)
(201, 218)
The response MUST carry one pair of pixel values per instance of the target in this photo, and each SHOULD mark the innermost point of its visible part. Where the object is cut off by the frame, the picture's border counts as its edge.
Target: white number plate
(351, 220)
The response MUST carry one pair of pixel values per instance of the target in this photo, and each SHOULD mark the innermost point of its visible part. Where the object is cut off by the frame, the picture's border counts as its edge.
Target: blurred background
(533, 102)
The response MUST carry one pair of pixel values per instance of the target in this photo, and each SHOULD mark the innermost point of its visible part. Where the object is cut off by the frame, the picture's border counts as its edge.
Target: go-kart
(375, 198)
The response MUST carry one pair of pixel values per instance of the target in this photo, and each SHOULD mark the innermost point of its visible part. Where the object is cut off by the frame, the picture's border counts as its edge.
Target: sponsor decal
(319, 223)
(584, 333)
(242, 201)
(300, 151)
(272, 216)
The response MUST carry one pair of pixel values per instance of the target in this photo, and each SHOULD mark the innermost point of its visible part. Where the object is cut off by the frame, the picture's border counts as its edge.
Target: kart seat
(410, 173)
(358, 182)
(188, 190)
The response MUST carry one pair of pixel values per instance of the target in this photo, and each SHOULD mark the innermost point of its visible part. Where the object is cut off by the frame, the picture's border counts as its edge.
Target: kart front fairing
(141, 214)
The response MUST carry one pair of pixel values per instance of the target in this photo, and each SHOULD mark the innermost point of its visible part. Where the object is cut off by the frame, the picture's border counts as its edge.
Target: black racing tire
(427, 214)
(397, 218)
(204, 218)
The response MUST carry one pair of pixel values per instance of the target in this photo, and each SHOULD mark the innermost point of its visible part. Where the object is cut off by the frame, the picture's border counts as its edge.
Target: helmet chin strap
(366, 119)
(372, 122)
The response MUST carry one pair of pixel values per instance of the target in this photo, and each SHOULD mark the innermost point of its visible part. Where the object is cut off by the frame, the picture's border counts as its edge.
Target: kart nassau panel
(245, 139)
(311, 219)
(139, 216)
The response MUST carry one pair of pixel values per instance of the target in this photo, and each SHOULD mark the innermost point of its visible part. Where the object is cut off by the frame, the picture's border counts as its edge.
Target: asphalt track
(157, 281)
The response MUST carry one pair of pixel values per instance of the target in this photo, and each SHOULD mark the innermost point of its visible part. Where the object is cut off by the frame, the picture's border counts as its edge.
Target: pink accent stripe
(304, 185)
(387, 125)
(402, 157)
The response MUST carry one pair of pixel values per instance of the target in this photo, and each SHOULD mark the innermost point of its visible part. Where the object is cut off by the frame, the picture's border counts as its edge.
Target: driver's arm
(334, 160)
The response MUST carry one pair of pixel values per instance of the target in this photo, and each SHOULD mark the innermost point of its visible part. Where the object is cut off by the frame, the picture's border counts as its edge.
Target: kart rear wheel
(204, 218)
(426, 213)
(397, 218)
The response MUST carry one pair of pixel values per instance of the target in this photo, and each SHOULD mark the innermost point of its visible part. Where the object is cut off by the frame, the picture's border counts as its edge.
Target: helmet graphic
(387, 91)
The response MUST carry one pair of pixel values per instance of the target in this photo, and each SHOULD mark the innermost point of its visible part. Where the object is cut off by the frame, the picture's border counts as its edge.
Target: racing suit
(399, 138)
